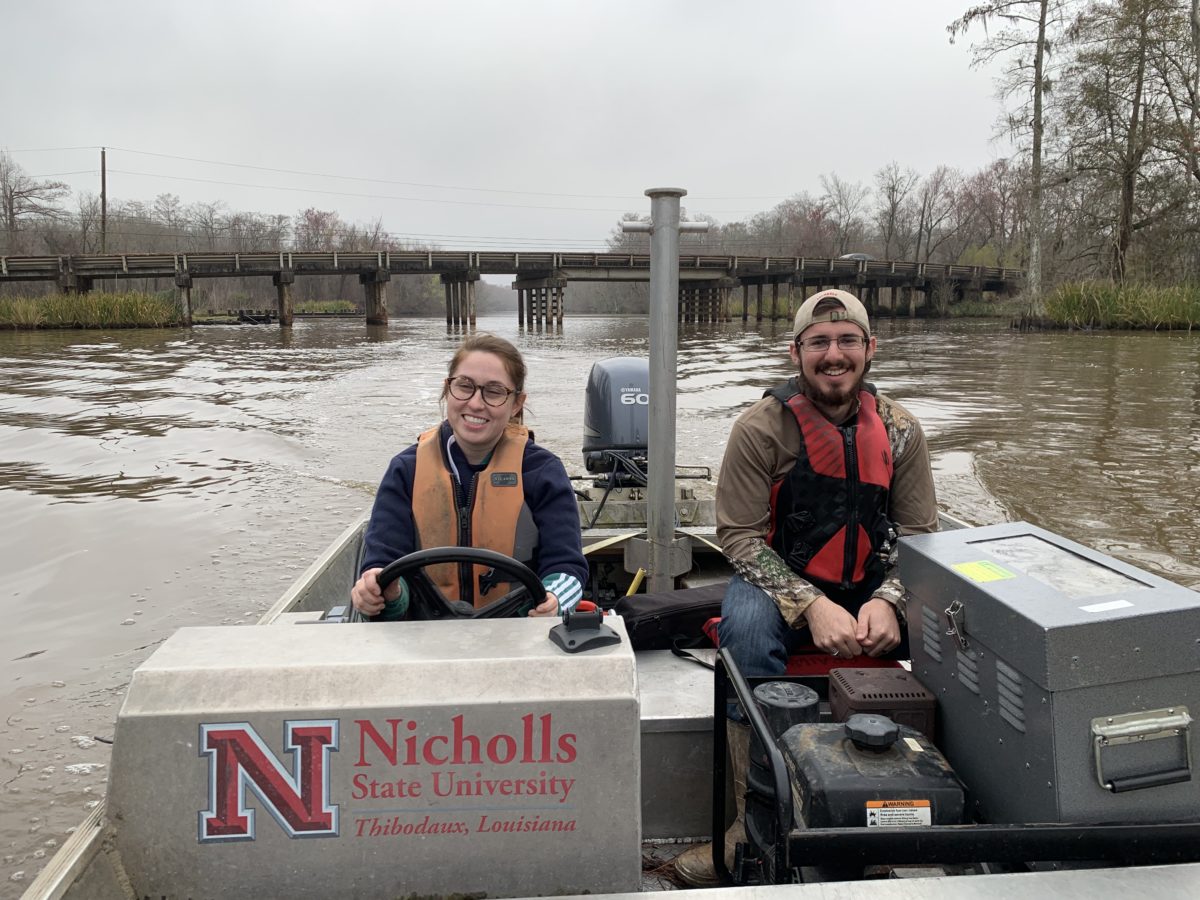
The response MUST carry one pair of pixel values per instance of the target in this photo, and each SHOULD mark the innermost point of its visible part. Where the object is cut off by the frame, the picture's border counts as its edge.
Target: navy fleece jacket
(548, 494)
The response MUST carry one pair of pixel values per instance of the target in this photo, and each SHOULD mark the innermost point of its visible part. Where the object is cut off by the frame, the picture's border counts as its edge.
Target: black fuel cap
(871, 732)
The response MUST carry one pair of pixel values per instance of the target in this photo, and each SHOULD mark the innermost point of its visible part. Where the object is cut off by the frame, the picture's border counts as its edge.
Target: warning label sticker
(983, 571)
(903, 813)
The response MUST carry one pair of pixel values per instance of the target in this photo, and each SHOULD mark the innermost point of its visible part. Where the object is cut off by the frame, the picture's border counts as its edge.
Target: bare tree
(23, 197)
(938, 196)
(1026, 39)
(88, 220)
(206, 217)
(894, 212)
(845, 202)
(1117, 117)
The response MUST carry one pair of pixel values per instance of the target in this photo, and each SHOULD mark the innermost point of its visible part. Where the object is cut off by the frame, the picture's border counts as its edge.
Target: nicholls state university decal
(238, 759)
(407, 777)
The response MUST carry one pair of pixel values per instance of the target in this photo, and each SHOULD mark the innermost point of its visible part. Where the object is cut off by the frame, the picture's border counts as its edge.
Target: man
(819, 478)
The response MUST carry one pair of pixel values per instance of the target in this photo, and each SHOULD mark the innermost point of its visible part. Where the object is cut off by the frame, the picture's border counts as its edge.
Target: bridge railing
(217, 264)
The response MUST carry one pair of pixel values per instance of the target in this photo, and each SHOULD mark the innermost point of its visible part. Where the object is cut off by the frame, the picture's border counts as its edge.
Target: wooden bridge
(705, 282)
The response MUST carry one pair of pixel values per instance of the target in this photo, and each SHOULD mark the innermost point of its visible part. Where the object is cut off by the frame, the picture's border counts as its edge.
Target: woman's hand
(366, 596)
(548, 607)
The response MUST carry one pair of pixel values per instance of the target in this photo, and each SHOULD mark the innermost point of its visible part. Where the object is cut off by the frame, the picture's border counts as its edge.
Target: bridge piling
(283, 281)
(460, 298)
(183, 292)
(71, 283)
(541, 299)
(375, 291)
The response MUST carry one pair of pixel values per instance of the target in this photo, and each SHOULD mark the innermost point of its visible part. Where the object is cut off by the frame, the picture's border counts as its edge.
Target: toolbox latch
(956, 623)
(1151, 725)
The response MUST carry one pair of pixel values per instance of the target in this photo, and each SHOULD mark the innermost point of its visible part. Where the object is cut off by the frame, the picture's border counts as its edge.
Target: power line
(359, 178)
(442, 187)
(303, 190)
(48, 149)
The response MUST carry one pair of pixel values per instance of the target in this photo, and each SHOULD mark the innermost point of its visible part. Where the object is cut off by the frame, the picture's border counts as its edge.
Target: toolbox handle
(1154, 724)
(1154, 779)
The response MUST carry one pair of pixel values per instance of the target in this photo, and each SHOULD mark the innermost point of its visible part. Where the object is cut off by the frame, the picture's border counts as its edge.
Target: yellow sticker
(984, 570)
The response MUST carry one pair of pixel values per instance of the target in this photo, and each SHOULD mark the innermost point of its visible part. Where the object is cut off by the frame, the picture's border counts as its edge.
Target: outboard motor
(616, 421)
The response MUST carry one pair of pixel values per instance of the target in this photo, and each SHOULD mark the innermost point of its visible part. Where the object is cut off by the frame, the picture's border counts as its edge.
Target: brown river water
(153, 479)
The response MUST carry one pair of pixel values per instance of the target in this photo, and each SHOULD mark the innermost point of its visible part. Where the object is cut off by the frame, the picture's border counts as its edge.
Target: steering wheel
(426, 602)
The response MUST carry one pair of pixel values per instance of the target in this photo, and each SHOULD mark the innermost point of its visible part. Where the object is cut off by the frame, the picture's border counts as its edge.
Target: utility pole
(103, 204)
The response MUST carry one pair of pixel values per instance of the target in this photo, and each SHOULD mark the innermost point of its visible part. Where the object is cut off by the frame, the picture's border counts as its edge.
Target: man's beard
(832, 398)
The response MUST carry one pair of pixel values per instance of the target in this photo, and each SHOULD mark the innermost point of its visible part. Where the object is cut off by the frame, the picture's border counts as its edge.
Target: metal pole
(664, 345)
(664, 228)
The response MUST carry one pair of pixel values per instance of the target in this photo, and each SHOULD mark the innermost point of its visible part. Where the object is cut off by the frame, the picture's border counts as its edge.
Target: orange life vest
(489, 518)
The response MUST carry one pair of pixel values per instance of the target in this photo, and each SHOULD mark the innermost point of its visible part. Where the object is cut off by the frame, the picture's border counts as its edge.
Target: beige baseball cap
(852, 311)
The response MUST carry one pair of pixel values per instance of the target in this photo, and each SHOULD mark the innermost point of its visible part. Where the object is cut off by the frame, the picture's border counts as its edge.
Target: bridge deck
(470, 264)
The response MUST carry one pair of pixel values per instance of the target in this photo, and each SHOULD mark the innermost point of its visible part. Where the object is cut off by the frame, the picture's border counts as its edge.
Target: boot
(695, 865)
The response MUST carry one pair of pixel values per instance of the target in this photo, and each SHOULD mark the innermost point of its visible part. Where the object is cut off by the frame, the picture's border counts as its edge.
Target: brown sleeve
(912, 503)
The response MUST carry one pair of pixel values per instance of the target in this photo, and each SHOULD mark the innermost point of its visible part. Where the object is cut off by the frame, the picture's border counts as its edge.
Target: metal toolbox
(1064, 677)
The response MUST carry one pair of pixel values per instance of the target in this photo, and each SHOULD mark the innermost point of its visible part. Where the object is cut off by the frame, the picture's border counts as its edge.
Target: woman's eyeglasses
(463, 388)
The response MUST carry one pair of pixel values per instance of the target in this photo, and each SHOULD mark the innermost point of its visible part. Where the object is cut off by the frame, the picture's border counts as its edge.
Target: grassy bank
(325, 306)
(92, 310)
(1099, 304)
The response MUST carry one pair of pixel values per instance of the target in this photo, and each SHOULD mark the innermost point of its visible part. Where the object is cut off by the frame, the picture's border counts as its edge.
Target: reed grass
(91, 310)
(1103, 304)
(325, 306)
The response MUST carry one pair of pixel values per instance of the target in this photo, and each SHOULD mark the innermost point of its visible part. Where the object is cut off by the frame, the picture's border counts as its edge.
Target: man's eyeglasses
(821, 344)
(464, 388)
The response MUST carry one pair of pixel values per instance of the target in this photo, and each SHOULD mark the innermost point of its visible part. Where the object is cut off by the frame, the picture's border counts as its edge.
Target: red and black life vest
(829, 513)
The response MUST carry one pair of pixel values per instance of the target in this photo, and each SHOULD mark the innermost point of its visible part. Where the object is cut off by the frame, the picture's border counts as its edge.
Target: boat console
(316, 761)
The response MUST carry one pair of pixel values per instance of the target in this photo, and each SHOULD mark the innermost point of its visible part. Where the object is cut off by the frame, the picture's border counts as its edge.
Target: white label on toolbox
(898, 813)
(1105, 607)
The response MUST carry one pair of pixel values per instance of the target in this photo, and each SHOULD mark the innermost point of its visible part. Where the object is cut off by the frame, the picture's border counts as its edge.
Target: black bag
(670, 620)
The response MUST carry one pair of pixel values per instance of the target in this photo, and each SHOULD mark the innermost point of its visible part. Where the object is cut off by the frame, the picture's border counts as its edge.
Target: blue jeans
(754, 632)
(758, 638)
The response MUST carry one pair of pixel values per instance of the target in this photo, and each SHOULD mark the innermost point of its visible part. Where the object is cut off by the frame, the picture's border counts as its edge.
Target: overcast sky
(488, 124)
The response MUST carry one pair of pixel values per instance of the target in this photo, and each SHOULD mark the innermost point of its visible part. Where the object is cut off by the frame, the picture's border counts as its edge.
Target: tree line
(1099, 98)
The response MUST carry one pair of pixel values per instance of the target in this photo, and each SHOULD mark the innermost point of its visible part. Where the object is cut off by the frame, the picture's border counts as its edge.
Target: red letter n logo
(238, 759)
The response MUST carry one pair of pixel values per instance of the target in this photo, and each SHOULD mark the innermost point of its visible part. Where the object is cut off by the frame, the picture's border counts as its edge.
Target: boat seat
(810, 660)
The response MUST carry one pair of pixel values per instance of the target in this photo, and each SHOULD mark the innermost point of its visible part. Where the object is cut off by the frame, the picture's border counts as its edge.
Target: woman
(476, 480)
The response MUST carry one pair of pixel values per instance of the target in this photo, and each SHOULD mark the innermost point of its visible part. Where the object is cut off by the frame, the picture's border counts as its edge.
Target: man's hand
(833, 629)
(548, 607)
(878, 628)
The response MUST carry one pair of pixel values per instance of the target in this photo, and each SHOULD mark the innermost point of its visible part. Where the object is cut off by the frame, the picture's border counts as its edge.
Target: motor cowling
(616, 418)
